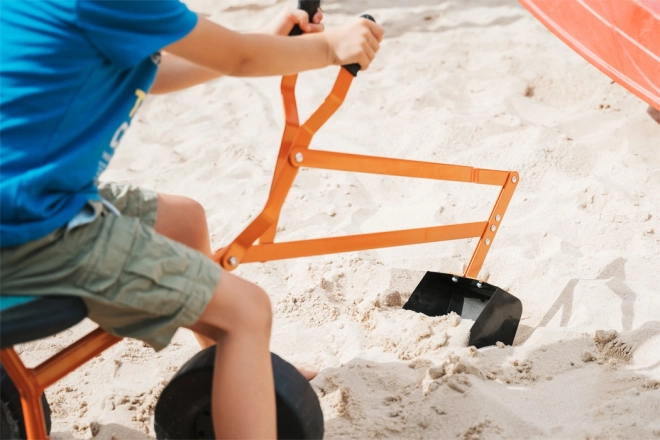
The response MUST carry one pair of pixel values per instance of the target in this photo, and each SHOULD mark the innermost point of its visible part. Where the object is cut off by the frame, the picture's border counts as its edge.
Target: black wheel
(11, 414)
(183, 410)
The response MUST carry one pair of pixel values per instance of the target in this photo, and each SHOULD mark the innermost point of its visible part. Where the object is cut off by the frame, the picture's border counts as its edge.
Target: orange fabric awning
(619, 37)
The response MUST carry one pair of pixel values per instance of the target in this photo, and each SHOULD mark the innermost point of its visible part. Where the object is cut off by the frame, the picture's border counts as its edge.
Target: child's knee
(194, 209)
(195, 215)
(199, 232)
(247, 309)
(254, 311)
(184, 220)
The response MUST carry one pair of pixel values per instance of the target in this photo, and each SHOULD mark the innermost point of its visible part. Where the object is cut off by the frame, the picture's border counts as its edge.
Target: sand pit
(478, 83)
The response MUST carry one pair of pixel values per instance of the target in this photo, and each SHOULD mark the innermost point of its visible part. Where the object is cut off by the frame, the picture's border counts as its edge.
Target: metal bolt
(498, 218)
(233, 261)
(514, 179)
(454, 279)
(487, 241)
(493, 228)
(299, 157)
(479, 285)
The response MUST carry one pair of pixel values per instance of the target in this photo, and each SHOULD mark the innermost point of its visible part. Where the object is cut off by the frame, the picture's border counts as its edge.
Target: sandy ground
(478, 83)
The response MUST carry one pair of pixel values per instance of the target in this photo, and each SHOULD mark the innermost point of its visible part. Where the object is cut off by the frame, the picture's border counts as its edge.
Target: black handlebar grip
(309, 6)
(355, 68)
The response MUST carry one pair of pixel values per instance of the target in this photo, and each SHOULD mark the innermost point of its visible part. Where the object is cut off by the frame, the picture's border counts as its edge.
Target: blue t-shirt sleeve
(128, 31)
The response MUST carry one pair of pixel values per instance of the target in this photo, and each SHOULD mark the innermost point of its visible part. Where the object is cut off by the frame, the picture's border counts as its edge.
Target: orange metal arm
(291, 126)
(496, 215)
(349, 243)
(329, 160)
(301, 136)
(257, 241)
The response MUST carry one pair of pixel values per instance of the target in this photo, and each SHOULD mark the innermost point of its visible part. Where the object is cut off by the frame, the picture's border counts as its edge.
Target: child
(73, 75)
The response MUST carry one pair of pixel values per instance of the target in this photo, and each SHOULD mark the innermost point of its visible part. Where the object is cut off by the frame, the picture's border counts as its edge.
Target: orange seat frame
(31, 382)
(294, 153)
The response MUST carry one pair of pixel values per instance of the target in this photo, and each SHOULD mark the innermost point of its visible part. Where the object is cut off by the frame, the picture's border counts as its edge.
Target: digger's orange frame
(294, 153)
(257, 241)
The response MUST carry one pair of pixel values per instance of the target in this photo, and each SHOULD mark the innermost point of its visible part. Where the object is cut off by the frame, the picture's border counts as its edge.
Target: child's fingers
(375, 29)
(318, 17)
(371, 54)
(366, 57)
(355, 42)
(373, 42)
(365, 61)
(301, 18)
(316, 28)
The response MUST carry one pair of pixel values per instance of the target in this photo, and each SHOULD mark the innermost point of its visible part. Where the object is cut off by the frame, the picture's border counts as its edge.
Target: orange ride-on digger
(183, 408)
(496, 313)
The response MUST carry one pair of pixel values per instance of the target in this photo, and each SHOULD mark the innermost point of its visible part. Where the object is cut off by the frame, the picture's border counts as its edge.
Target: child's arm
(218, 49)
(175, 73)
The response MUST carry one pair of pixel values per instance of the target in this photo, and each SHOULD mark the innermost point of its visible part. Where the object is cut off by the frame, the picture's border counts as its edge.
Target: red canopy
(620, 37)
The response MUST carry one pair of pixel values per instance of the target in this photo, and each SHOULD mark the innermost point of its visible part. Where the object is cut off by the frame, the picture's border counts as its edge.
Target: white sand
(478, 83)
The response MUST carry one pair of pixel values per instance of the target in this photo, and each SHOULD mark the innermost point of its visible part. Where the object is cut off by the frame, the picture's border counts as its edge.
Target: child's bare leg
(239, 319)
(184, 220)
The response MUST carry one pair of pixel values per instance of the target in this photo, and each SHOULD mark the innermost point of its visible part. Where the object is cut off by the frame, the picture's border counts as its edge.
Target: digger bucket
(496, 313)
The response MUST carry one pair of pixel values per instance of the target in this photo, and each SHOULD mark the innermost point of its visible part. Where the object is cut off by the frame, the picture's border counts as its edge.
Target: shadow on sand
(615, 273)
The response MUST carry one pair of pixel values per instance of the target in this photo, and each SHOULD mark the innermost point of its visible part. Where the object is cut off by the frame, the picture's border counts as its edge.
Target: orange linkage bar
(295, 153)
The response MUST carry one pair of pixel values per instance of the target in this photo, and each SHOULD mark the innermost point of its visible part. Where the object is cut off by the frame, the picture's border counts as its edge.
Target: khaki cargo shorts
(136, 283)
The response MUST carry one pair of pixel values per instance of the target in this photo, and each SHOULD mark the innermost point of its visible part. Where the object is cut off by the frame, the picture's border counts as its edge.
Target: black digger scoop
(496, 313)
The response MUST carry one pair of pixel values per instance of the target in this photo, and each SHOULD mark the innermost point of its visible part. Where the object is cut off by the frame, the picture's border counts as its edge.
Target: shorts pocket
(102, 249)
(156, 275)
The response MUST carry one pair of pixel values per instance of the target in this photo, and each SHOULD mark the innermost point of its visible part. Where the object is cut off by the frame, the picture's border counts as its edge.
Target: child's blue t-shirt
(73, 73)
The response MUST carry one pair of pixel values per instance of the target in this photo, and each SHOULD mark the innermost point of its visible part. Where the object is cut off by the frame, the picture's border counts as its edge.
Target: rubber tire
(11, 414)
(183, 410)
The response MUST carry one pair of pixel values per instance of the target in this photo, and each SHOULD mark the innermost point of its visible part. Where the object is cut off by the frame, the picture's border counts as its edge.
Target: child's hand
(354, 42)
(284, 23)
(256, 54)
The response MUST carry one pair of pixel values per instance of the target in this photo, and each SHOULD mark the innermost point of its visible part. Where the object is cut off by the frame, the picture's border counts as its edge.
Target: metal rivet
(498, 218)
(479, 285)
(233, 261)
(454, 279)
(493, 228)
(299, 157)
(514, 179)
(487, 241)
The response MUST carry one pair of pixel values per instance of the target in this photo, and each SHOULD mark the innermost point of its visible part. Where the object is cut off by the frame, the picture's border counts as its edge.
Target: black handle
(355, 68)
(309, 6)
